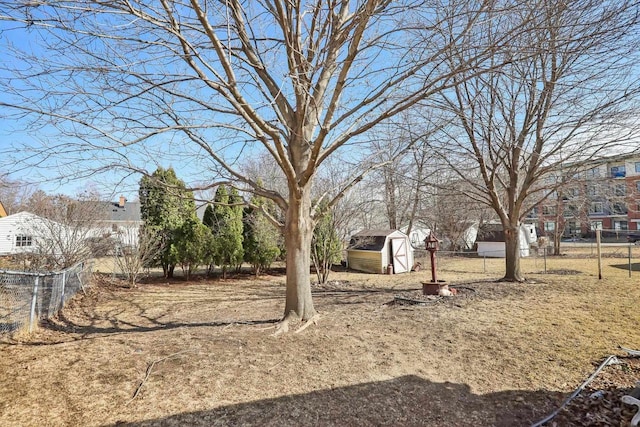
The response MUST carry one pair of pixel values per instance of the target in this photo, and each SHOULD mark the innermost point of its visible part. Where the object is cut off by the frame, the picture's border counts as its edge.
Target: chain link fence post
(34, 302)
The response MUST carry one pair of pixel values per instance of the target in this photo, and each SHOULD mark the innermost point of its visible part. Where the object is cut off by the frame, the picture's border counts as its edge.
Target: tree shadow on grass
(404, 401)
(635, 266)
(74, 331)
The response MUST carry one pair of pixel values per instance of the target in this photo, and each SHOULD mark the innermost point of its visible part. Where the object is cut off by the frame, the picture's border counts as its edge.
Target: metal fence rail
(26, 298)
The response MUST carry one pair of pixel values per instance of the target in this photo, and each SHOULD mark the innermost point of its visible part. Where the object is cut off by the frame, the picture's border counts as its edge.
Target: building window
(570, 210)
(573, 192)
(22, 240)
(638, 167)
(619, 209)
(548, 210)
(638, 186)
(618, 172)
(573, 229)
(596, 225)
(591, 190)
(549, 226)
(620, 225)
(596, 207)
(620, 190)
(593, 173)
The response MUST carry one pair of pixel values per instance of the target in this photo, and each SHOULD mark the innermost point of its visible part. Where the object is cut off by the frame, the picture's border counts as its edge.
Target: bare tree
(14, 194)
(567, 92)
(64, 230)
(128, 81)
(401, 174)
(136, 249)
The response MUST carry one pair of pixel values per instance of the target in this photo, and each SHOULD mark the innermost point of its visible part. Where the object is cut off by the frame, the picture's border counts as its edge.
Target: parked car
(634, 238)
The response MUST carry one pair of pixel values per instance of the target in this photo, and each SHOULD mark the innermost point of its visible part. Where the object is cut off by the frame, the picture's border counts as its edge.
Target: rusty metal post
(434, 275)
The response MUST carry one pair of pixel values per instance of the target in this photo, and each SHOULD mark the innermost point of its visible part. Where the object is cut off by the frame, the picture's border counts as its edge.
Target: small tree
(164, 206)
(261, 238)
(193, 239)
(64, 235)
(141, 247)
(326, 247)
(208, 220)
(227, 229)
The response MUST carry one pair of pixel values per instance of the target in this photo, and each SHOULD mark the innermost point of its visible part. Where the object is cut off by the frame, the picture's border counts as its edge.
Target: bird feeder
(432, 244)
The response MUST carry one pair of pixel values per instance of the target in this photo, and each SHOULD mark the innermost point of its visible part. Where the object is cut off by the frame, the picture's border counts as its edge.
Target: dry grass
(200, 353)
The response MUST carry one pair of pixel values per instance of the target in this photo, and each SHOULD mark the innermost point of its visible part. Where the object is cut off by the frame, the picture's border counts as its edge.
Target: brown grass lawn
(201, 353)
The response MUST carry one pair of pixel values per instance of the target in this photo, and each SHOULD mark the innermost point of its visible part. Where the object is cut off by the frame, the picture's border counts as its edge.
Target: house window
(572, 228)
(593, 173)
(638, 167)
(548, 210)
(619, 209)
(596, 207)
(618, 172)
(570, 210)
(591, 190)
(23, 240)
(596, 225)
(638, 186)
(573, 192)
(620, 225)
(549, 226)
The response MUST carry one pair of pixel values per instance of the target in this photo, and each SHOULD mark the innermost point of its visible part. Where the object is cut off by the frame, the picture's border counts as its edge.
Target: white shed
(372, 251)
(491, 244)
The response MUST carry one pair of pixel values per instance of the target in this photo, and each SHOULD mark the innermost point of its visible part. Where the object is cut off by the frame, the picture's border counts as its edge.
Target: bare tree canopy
(567, 91)
(209, 83)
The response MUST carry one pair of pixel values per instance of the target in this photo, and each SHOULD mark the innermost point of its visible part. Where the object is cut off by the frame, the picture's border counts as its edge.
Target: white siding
(11, 226)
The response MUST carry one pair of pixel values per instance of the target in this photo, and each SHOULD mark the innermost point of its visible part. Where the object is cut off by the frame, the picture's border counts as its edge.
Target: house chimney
(122, 201)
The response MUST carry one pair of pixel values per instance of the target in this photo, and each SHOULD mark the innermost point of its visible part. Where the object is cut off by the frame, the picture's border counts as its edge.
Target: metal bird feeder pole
(432, 244)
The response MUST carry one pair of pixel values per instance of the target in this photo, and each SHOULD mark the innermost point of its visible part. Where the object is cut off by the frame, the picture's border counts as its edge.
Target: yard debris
(603, 397)
(418, 298)
(635, 353)
(147, 374)
(630, 400)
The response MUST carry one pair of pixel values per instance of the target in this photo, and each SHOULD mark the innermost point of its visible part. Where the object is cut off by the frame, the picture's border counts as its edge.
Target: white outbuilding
(380, 251)
(491, 243)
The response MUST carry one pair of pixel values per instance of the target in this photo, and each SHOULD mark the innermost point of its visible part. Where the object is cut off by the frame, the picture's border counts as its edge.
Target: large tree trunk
(298, 235)
(512, 254)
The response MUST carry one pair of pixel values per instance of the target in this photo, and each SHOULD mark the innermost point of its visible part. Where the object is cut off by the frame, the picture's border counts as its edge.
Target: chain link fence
(623, 259)
(26, 298)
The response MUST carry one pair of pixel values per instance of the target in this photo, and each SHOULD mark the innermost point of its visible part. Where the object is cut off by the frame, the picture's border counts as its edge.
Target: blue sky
(169, 149)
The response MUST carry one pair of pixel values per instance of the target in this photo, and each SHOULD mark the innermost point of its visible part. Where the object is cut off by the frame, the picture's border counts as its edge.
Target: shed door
(400, 256)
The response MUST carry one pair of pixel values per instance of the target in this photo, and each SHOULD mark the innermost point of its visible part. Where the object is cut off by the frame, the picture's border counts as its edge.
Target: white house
(115, 222)
(19, 233)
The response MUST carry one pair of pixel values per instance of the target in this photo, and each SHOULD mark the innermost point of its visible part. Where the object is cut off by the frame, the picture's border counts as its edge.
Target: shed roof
(490, 233)
(371, 240)
(367, 243)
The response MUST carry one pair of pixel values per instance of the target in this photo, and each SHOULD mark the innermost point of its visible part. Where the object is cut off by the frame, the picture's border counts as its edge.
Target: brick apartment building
(603, 194)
